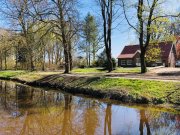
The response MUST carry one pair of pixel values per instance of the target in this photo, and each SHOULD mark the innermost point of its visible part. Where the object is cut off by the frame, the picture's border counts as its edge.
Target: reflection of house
(130, 56)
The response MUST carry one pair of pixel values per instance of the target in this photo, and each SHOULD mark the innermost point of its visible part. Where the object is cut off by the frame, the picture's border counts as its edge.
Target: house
(130, 56)
(178, 47)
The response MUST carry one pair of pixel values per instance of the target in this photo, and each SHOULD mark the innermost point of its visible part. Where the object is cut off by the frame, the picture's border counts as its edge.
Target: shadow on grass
(102, 69)
(169, 73)
(67, 79)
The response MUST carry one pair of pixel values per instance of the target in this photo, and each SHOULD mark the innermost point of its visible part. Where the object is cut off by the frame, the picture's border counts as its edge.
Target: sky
(122, 35)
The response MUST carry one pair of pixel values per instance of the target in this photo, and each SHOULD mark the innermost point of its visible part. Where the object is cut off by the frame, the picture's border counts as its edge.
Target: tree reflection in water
(108, 120)
(90, 117)
(67, 115)
(144, 122)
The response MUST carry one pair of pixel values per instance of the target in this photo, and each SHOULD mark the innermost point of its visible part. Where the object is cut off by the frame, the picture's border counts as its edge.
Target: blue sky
(122, 35)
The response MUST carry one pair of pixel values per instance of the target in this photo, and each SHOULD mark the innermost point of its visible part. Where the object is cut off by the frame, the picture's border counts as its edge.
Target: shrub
(105, 64)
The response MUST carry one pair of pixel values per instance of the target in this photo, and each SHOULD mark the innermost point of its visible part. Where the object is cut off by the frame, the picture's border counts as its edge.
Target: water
(33, 111)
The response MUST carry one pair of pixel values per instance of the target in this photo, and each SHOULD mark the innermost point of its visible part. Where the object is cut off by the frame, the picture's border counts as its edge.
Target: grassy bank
(126, 90)
(25, 75)
(10, 74)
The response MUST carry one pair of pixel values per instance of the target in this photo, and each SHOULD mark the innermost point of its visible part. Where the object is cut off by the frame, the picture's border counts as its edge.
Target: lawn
(25, 75)
(127, 70)
(89, 70)
(101, 70)
(11, 73)
(152, 90)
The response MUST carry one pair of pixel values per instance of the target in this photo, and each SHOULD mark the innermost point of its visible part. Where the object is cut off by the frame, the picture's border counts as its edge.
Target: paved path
(158, 74)
(155, 78)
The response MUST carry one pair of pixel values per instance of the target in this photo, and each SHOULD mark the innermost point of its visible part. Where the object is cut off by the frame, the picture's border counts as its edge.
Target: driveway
(165, 71)
(157, 73)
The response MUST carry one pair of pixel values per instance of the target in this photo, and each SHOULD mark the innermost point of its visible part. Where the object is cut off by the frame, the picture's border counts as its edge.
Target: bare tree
(63, 17)
(107, 15)
(147, 13)
(16, 12)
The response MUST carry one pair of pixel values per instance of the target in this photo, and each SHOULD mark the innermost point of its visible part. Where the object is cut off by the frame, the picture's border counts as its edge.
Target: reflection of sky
(124, 120)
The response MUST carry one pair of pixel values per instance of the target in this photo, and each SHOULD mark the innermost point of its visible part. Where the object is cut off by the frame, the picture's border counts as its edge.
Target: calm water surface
(32, 111)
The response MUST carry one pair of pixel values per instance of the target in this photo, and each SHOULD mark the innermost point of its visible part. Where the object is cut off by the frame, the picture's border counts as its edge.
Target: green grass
(127, 70)
(34, 76)
(25, 75)
(10, 73)
(141, 88)
(101, 70)
(153, 91)
(88, 70)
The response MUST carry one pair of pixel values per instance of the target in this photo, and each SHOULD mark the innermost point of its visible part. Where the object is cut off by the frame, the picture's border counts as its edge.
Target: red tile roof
(130, 50)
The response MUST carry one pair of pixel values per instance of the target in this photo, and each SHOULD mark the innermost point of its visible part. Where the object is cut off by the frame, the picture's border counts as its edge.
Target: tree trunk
(70, 55)
(141, 36)
(60, 57)
(31, 60)
(16, 53)
(49, 58)
(89, 57)
(66, 56)
(52, 55)
(1, 61)
(32, 64)
(107, 24)
(64, 36)
(5, 61)
(94, 52)
(44, 57)
(57, 56)
(109, 58)
(143, 62)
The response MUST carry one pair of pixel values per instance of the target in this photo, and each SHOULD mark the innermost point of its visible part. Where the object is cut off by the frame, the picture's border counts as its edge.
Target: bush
(81, 66)
(104, 63)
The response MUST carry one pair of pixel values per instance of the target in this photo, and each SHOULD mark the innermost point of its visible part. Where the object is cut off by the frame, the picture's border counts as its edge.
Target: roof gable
(130, 49)
(165, 48)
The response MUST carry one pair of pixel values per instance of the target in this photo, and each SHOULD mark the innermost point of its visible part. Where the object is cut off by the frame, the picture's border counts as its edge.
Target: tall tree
(90, 34)
(161, 32)
(107, 11)
(147, 14)
(17, 13)
(63, 17)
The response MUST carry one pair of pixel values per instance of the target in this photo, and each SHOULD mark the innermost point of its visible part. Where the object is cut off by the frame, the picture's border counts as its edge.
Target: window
(129, 62)
(138, 63)
(123, 62)
(159, 61)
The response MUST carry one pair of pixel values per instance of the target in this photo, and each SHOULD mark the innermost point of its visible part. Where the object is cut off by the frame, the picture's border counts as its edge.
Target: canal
(26, 110)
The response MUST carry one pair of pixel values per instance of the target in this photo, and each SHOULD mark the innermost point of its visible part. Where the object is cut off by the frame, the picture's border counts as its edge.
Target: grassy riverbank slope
(126, 90)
